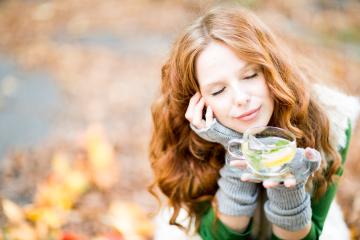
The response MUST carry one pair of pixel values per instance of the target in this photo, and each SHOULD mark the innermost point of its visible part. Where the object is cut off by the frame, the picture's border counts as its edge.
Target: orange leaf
(71, 236)
(114, 236)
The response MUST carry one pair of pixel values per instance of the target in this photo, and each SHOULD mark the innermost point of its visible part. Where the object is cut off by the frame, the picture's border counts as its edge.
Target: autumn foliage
(56, 198)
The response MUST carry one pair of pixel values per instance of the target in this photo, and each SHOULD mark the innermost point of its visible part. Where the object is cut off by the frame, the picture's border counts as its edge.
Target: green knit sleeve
(321, 207)
(211, 228)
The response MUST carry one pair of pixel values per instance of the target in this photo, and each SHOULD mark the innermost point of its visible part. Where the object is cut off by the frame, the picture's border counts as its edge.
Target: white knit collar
(340, 108)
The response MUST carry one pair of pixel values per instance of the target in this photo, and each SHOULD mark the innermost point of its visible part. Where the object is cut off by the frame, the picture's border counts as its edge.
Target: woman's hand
(194, 112)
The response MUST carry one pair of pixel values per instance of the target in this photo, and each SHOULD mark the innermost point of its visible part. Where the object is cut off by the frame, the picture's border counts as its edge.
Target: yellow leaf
(105, 179)
(60, 164)
(12, 211)
(76, 183)
(22, 231)
(51, 217)
(129, 219)
(54, 218)
(101, 154)
(54, 194)
(42, 230)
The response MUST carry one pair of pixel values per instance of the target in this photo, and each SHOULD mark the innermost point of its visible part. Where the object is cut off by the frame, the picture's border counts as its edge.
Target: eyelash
(218, 92)
(252, 76)
(221, 90)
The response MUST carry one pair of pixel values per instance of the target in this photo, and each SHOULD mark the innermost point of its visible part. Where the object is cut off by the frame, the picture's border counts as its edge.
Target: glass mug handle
(234, 146)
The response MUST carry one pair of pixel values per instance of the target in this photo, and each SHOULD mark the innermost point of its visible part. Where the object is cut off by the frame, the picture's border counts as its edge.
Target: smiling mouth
(249, 114)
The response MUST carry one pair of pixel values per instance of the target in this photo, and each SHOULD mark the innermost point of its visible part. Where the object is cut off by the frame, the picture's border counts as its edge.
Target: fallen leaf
(113, 235)
(129, 219)
(101, 158)
(13, 212)
(22, 231)
(71, 236)
(52, 217)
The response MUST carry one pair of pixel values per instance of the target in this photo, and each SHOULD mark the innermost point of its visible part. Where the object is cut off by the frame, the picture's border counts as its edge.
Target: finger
(268, 183)
(314, 158)
(209, 116)
(309, 153)
(242, 164)
(248, 177)
(312, 154)
(290, 182)
(192, 103)
(197, 120)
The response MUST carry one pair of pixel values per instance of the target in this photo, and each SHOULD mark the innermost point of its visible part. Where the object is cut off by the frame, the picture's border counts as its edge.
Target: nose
(241, 97)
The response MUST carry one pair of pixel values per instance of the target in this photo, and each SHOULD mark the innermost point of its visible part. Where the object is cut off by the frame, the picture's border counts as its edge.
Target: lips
(248, 113)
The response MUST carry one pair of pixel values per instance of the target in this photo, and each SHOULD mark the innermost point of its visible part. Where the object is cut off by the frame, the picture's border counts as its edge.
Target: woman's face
(235, 90)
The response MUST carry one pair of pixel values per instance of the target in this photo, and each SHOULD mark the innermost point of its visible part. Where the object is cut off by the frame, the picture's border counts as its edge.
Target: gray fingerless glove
(234, 197)
(290, 208)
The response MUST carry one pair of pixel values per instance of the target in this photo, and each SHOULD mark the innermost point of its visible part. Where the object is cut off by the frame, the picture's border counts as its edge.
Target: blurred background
(77, 79)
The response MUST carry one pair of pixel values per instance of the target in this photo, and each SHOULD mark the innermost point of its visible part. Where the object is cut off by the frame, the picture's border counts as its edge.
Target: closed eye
(218, 92)
(251, 76)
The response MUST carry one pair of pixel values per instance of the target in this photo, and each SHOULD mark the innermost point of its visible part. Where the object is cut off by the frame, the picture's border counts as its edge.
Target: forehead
(216, 61)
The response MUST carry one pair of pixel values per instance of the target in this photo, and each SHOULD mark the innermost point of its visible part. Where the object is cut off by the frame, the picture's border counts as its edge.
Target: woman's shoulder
(341, 110)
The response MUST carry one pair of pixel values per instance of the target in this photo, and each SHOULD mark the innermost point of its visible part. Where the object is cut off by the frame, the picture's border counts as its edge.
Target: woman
(231, 66)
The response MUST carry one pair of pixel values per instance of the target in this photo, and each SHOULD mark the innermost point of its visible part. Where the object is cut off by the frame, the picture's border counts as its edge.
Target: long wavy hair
(186, 167)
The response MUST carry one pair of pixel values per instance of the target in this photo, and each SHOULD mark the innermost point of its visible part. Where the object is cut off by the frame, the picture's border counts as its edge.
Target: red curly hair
(185, 166)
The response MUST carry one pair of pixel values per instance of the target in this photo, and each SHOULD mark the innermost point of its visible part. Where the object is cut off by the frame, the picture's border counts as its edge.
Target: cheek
(216, 113)
(215, 105)
(219, 108)
(268, 95)
(265, 91)
(268, 98)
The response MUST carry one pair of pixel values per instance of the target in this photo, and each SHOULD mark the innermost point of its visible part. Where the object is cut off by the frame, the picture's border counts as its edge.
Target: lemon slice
(274, 160)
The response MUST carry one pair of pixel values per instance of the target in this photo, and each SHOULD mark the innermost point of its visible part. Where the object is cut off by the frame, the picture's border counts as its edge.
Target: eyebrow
(239, 72)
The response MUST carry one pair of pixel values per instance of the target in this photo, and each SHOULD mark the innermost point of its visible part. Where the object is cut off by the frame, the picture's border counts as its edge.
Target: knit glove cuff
(288, 208)
(216, 132)
(235, 197)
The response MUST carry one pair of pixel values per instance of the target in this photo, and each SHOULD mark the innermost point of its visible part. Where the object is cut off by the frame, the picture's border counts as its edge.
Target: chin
(244, 127)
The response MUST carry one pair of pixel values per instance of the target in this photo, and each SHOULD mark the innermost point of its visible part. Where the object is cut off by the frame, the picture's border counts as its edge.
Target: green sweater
(216, 230)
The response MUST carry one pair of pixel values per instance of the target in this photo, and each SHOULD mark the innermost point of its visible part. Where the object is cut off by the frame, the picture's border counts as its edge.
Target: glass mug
(267, 150)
